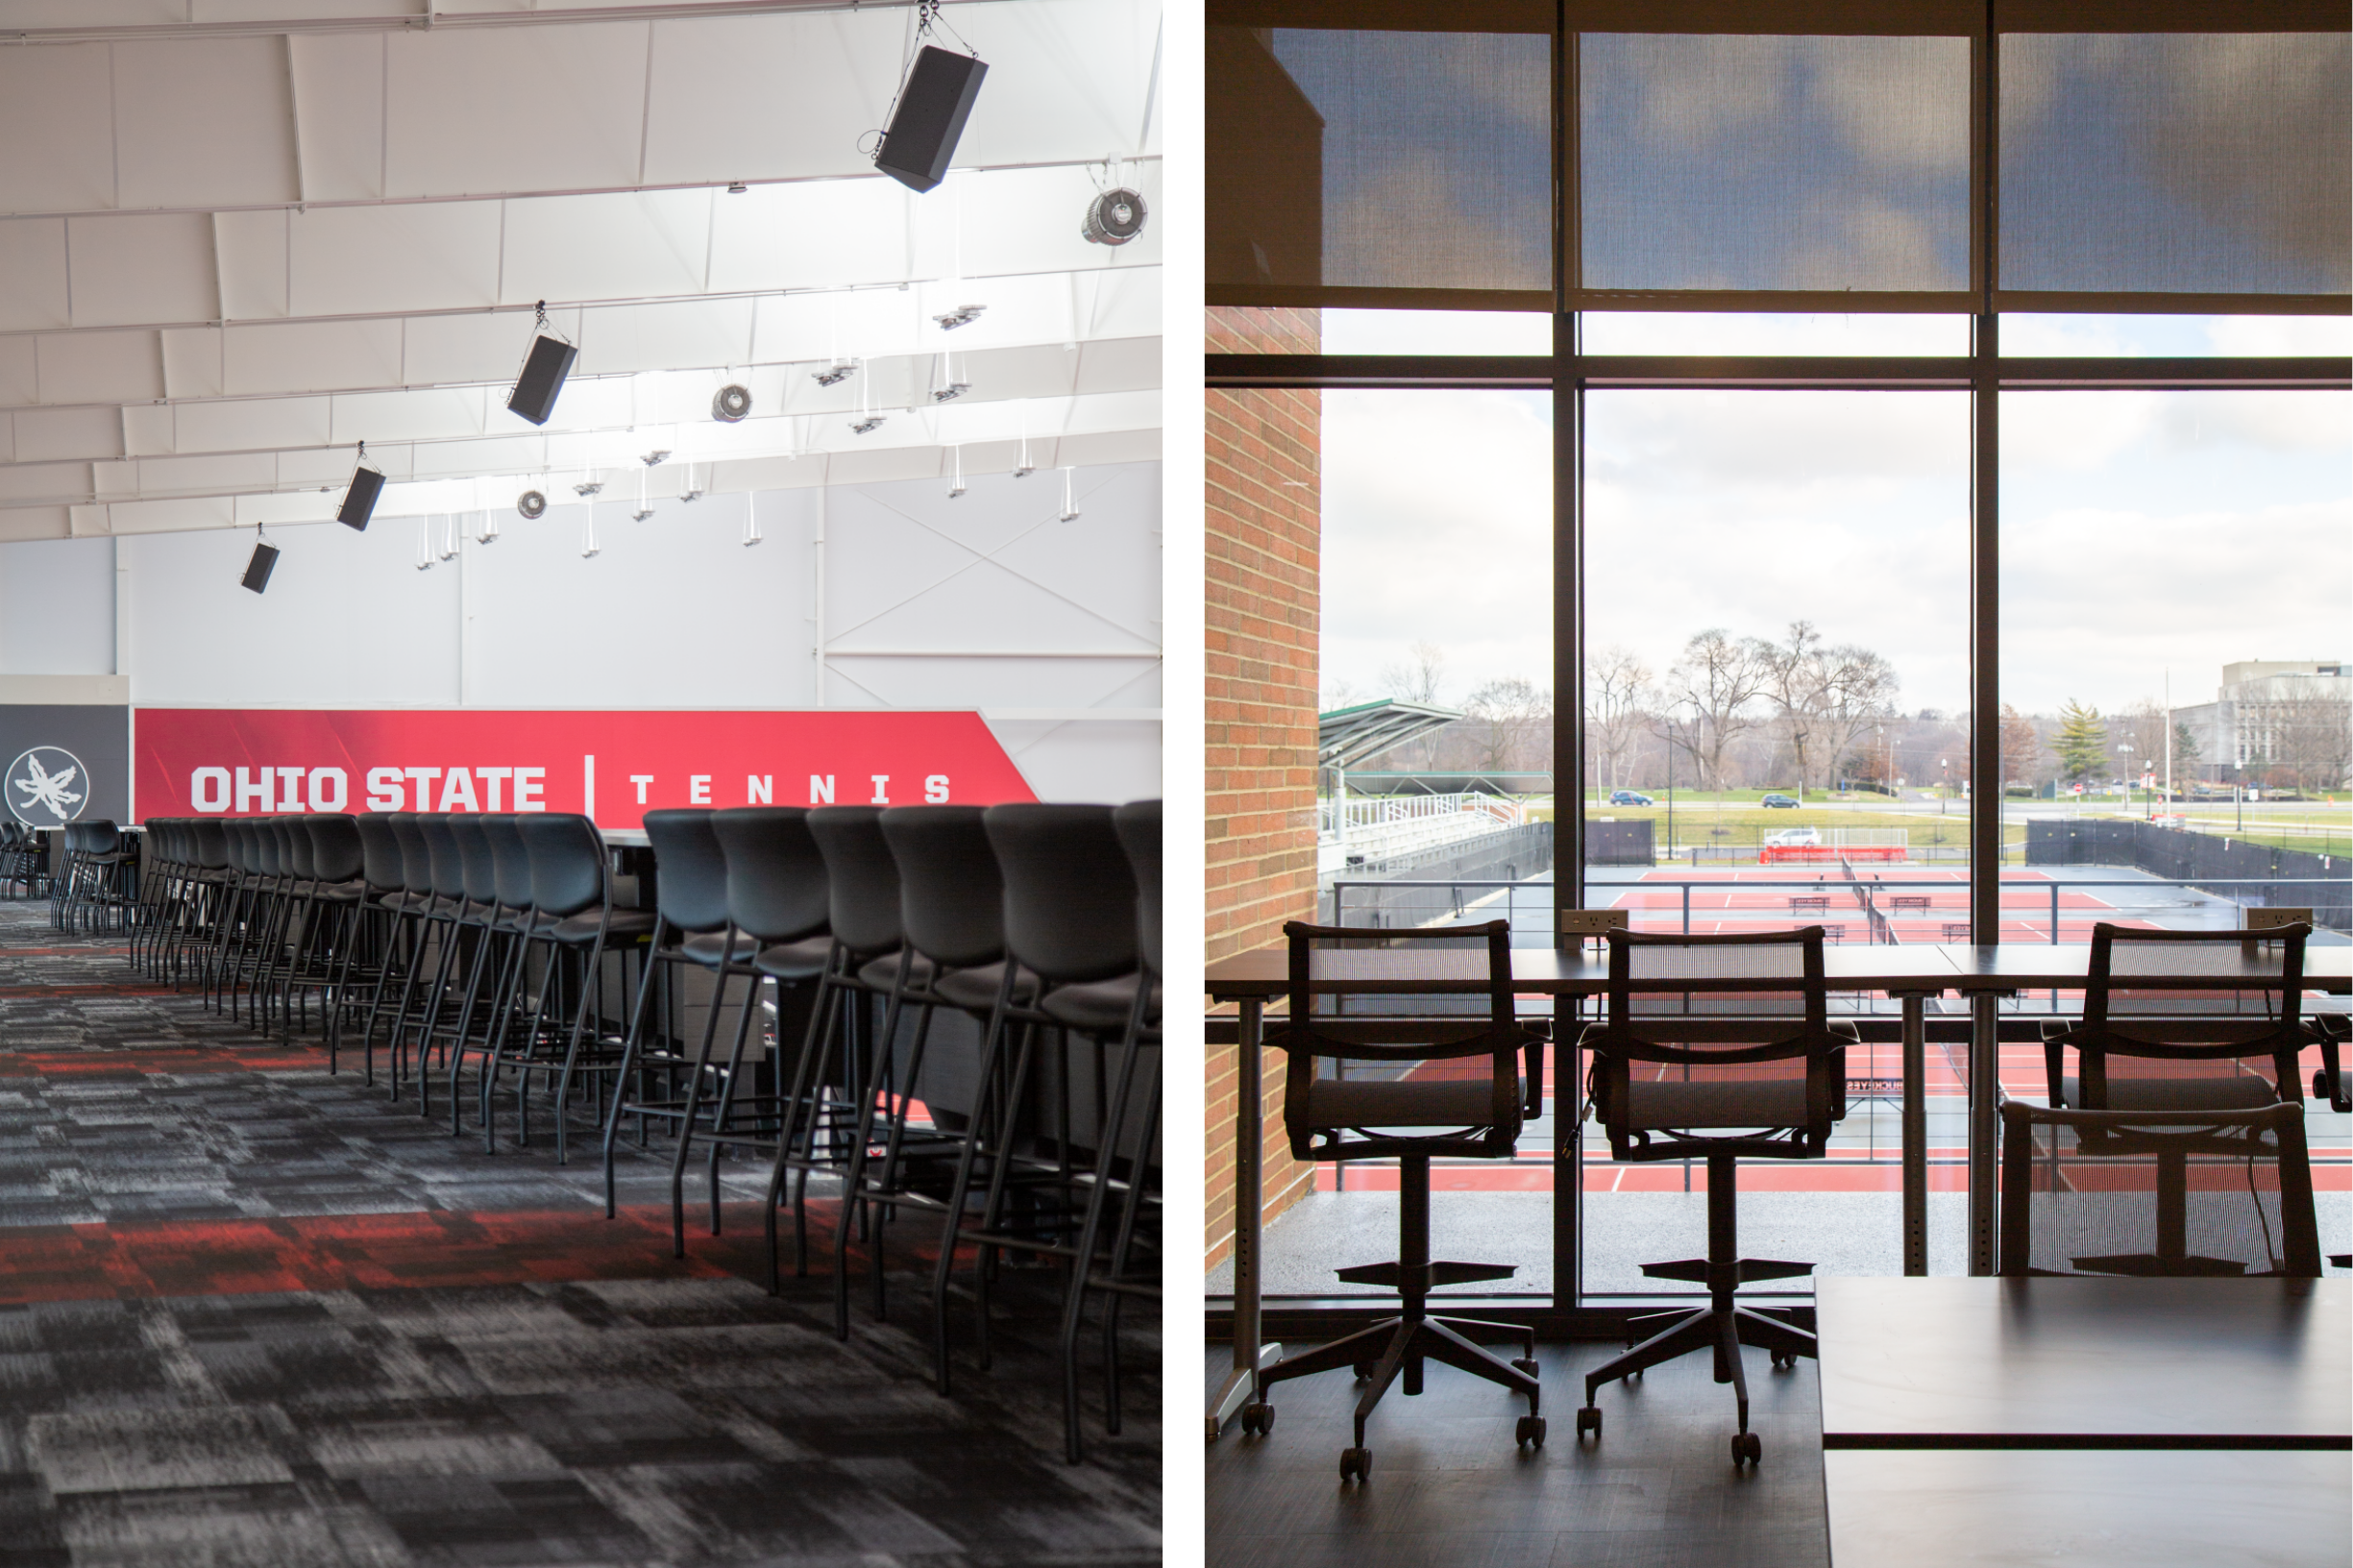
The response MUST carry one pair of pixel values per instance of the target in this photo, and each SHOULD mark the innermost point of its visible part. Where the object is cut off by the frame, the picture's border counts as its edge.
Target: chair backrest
(380, 853)
(1069, 896)
(690, 870)
(211, 844)
(510, 858)
(101, 837)
(478, 874)
(2157, 1192)
(1732, 1031)
(445, 867)
(294, 847)
(951, 894)
(775, 875)
(861, 878)
(2143, 999)
(416, 860)
(567, 862)
(269, 858)
(1139, 827)
(1337, 1013)
(337, 853)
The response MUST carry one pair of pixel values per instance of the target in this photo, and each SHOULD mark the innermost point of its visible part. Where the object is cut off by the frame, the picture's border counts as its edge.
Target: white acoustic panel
(51, 434)
(251, 247)
(34, 523)
(1062, 73)
(381, 418)
(339, 100)
(33, 262)
(657, 336)
(204, 122)
(22, 483)
(149, 429)
(55, 98)
(20, 371)
(249, 424)
(193, 360)
(142, 268)
(206, 475)
(823, 234)
(57, 608)
(485, 346)
(496, 110)
(100, 367)
(431, 256)
(769, 97)
(610, 247)
(310, 355)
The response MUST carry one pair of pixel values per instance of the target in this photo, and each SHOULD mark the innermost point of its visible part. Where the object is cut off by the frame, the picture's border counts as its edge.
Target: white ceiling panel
(631, 337)
(366, 260)
(514, 109)
(839, 323)
(249, 424)
(437, 415)
(822, 234)
(769, 97)
(251, 250)
(206, 475)
(20, 371)
(50, 434)
(467, 460)
(20, 522)
(1028, 220)
(21, 483)
(91, 13)
(148, 430)
(488, 347)
(56, 99)
(204, 121)
(332, 466)
(1061, 72)
(311, 355)
(171, 516)
(100, 367)
(1126, 364)
(1119, 303)
(33, 262)
(192, 361)
(339, 98)
(607, 247)
(142, 268)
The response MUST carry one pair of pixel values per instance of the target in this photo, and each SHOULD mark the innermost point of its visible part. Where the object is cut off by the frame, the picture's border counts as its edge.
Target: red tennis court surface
(1747, 898)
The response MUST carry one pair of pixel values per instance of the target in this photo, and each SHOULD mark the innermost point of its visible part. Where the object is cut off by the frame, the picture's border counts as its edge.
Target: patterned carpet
(254, 1315)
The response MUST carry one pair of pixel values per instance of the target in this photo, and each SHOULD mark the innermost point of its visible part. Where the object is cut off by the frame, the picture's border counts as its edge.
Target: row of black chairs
(505, 941)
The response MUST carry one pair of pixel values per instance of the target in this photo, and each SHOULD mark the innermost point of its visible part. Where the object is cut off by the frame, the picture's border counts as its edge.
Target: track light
(957, 488)
(737, 188)
(531, 504)
(359, 498)
(865, 425)
(449, 538)
(587, 490)
(963, 315)
(1024, 468)
(835, 374)
(752, 518)
(544, 369)
(256, 578)
(1069, 506)
(948, 389)
(424, 543)
(689, 490)
(488, 532)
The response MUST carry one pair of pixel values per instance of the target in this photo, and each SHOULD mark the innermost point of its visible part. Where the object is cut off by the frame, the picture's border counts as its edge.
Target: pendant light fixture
(1069, 504)
(587, 490)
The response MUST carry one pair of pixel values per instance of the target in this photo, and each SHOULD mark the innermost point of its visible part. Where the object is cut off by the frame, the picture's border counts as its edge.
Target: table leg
(1915, 1135)
(1240, 1385)
(1984, 1099)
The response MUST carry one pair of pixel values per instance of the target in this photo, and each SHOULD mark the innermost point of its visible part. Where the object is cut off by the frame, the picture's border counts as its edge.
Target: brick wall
(1264, 528)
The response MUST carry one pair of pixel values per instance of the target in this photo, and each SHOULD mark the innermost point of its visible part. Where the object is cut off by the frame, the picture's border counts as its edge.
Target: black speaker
(258, 569)
(542, 379)
(932, 109)
(359, 501)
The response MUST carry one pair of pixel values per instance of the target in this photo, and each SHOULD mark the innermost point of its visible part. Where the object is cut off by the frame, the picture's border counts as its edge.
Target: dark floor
(252, 1314)
(1448, 1489)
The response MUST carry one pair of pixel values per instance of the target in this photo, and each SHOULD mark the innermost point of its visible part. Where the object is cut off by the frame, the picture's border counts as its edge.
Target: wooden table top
(1945, 1363)
(2088, 1508)
(1957, 966)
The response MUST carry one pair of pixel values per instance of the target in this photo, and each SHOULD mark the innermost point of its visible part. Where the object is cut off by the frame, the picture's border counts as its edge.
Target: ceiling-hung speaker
(731, 402)
(1114, 217)
(258, 569)
(359, 501)
(932, 109)
(542, 379)
(531, 504)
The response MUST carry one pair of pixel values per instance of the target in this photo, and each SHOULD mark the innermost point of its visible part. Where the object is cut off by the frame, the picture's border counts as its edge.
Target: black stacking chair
(1388, 1109)
(2212, 1193)
(574, 912)
(403, 902)
(1070, 919)
(952, 898)
(335, 861)
(1741, 1061)
(2145, 1044)
(1127, 1158)
(778, 913)
(368, 943)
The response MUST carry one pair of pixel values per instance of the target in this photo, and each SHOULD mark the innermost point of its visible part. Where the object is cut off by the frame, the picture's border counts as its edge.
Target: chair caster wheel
(1748, 1448)
(1526, 1364)
(1589, 1419)
(1530, 1430)
(1258, 1419)
(1356, 1463)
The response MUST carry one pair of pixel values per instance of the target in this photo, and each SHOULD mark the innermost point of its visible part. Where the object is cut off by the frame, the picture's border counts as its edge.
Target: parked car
(1778, 800)
(1629, 798)
(1791, 838)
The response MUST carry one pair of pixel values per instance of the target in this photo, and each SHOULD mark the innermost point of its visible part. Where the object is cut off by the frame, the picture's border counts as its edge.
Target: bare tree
(1511, 722)
(2312, 734)
(1859, 692)
(1418, 675)
(2022, 749)
(1617, 691)
(1338, 695)
(1718, 676)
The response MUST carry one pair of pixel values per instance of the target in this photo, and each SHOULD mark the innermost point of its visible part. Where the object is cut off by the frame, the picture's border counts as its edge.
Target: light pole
(2123, 749)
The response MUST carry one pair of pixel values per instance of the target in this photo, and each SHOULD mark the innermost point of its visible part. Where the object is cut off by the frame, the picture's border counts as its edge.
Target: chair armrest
(2055, 1032)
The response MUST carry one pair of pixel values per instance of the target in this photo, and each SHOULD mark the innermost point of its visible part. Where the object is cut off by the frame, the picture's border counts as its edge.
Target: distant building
(2253, 721)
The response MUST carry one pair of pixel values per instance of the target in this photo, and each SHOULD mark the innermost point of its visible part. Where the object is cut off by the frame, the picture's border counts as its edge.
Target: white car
(1794, 838)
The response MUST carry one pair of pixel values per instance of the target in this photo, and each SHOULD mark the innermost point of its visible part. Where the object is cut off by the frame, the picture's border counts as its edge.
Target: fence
(2233, 868)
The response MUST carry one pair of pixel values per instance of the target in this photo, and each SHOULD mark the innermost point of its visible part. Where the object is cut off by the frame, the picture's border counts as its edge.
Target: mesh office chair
(1408, 1104)
(2198, 1192)
(2147, 1045)
(1745, 1062)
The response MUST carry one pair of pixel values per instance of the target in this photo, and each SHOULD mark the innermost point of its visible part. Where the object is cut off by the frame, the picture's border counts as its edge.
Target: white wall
(57, 608)
(983, 601)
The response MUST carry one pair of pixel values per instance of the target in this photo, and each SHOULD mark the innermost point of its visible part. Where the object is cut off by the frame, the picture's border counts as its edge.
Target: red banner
(615, 766)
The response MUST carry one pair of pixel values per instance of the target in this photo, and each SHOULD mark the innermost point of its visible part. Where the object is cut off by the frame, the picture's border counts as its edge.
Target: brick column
(1264, 528)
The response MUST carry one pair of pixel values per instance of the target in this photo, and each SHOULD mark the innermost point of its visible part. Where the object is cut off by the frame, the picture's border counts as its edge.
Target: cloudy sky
(2143, 532)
